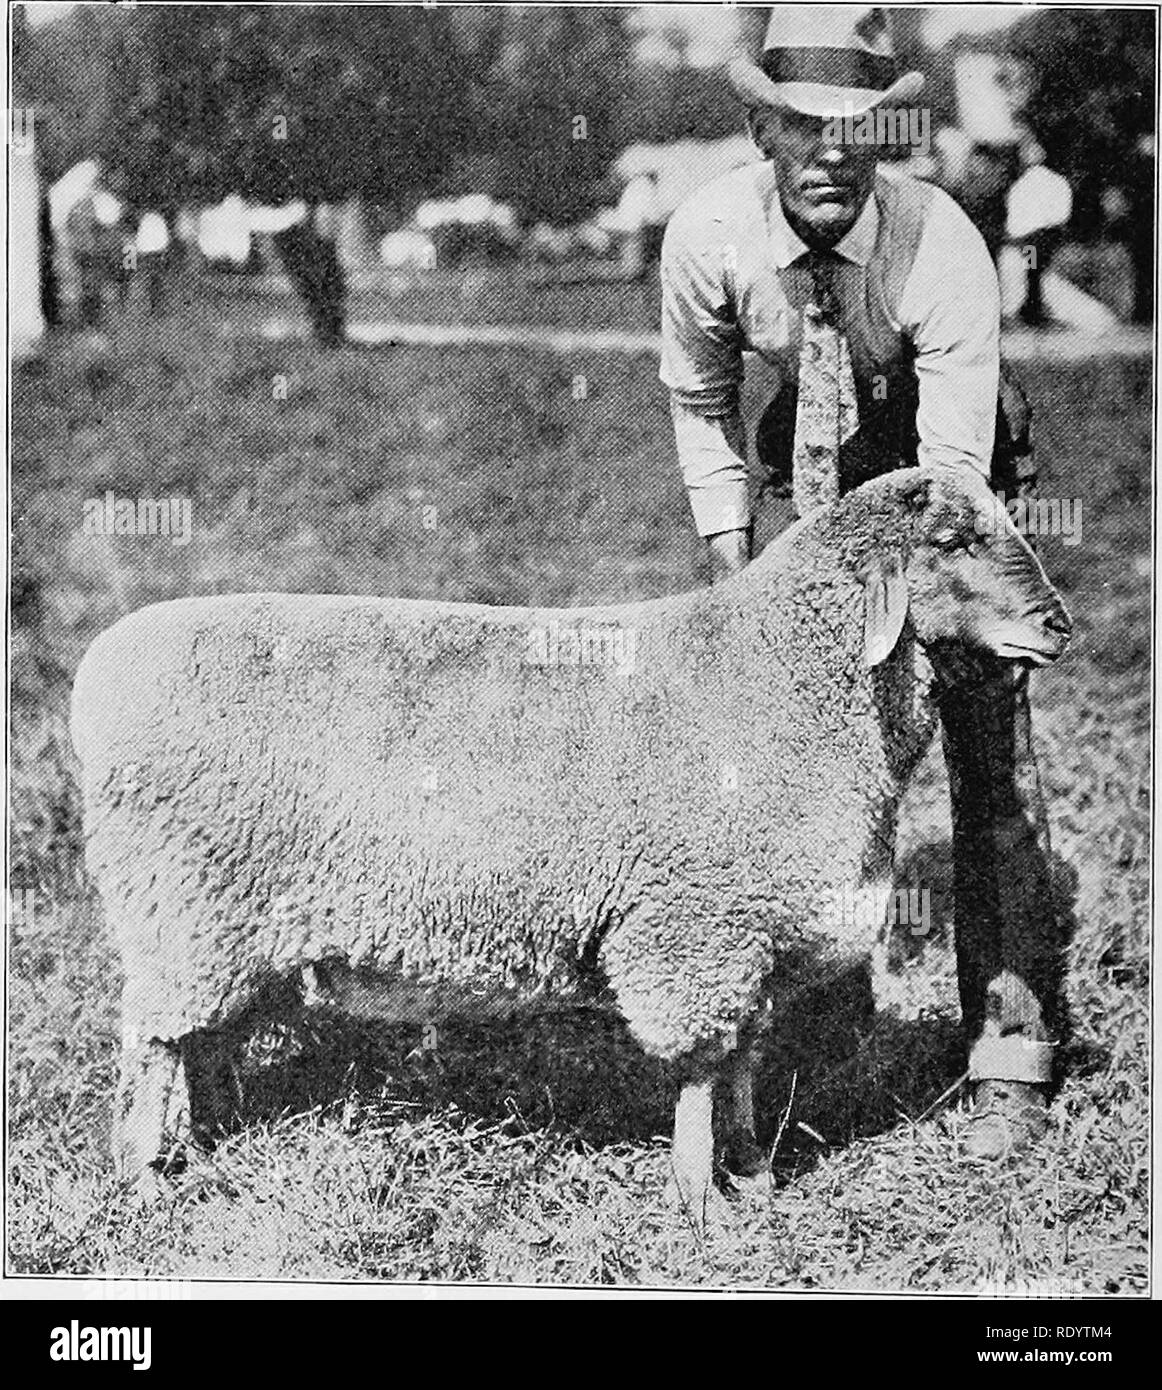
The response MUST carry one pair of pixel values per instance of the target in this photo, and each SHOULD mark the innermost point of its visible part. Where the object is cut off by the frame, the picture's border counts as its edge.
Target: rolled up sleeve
(703, 368)
(951, 310)
(712, 453)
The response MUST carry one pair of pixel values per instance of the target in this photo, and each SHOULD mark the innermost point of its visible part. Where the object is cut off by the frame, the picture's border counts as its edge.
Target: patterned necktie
(827, 414)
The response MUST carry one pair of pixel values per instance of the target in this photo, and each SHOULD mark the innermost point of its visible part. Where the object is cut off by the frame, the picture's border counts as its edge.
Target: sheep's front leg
(692, 1159)
(151, 1106)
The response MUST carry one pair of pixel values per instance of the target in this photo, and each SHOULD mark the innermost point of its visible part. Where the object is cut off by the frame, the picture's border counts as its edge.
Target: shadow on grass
(582, 1074)
(858, 1073)
(577, 1071)
(833, 1069)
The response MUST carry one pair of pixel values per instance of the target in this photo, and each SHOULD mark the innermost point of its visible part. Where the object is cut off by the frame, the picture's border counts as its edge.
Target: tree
(1093, 110)
(185, 104)
(311, 102)
(542, 96)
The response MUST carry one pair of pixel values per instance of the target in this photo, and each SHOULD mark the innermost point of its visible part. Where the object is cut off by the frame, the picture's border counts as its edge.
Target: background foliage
(180, 101)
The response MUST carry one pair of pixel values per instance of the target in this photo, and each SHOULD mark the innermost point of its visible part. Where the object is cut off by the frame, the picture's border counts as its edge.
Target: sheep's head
(935, 546)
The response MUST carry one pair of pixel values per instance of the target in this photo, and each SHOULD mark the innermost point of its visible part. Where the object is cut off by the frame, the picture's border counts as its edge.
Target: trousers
(1008, 948)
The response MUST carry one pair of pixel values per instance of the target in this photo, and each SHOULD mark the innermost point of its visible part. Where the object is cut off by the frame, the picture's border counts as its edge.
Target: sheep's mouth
(1038, 637)
(1041, 652)
(1031, 656)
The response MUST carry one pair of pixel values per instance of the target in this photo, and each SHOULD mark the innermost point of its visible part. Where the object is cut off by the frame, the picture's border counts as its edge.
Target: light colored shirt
(919, 302)
(1040, 199)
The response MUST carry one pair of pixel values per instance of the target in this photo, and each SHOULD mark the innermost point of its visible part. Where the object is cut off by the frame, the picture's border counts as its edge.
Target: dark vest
(885, 378)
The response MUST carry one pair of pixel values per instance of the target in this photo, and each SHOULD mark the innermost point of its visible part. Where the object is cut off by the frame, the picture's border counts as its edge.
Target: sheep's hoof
(146, 1170)
(743, 1158)
(706, 1208)
(150, 1110)
(135, 1158)
(149, 1187)
(752, 1187)
(746, 1167)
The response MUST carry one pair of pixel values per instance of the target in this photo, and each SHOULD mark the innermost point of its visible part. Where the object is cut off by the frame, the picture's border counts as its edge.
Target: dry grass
(536, 1153)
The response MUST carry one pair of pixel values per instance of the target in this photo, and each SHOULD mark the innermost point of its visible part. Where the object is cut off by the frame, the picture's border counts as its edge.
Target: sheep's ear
(885, 608)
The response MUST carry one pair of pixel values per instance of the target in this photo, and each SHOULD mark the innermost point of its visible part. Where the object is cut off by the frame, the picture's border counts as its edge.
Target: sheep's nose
(1052, 617)
(1056, 618)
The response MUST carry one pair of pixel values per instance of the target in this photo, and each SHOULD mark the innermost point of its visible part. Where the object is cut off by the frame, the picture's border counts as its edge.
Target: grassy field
(512, 295)
(539, 1154)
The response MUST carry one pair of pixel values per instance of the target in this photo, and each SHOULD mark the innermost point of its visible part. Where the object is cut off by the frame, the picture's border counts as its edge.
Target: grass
(538, 1153)
(509, 294)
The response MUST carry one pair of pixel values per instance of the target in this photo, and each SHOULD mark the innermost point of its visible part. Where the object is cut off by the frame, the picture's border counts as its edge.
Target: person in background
(1039, 206)
(50, 293)
(312, 264)
(86, 240)
(1139, 226)
(983, 189)
(122, 254)
(821, 253)
(152, 245)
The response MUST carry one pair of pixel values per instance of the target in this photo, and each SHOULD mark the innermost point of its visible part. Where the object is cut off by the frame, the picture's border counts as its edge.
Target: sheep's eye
(954, 540)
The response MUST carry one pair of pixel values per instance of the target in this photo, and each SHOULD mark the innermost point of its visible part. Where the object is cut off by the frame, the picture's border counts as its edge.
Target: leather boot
(1008, 1117)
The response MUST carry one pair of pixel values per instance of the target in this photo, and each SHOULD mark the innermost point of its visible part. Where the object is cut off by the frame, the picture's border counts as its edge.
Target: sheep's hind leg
(151, 1109)
(212, 1081)
(742, 1157)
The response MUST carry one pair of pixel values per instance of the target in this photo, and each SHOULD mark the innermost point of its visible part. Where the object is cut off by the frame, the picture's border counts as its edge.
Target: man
(874, 301)
(88, 243)
(1039, 206)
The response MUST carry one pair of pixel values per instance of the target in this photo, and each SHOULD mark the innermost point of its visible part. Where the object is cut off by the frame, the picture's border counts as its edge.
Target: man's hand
(729, 553)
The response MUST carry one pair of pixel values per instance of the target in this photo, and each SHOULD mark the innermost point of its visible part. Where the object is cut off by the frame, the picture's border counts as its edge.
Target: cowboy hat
(825, 60)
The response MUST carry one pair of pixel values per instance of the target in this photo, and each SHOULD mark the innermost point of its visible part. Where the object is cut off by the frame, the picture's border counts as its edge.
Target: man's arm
(951, 309)
(729, 552)
(702, 366)
(712, 453)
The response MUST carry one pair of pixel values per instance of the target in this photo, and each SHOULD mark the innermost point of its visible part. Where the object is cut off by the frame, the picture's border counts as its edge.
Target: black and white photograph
(580, 655)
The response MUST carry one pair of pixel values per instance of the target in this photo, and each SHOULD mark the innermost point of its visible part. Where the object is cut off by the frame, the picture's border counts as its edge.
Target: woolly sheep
(409, 810)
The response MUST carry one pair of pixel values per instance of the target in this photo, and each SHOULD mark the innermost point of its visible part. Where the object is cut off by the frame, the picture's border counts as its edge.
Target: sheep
(407, 809)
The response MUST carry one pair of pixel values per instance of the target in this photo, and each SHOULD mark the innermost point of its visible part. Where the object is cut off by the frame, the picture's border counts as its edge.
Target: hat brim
(821, 99)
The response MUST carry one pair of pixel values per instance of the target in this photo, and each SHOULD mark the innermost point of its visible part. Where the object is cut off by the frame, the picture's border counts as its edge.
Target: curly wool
(274, 782)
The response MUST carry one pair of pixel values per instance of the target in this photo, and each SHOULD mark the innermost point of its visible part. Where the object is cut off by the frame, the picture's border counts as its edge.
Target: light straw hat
(825, 60)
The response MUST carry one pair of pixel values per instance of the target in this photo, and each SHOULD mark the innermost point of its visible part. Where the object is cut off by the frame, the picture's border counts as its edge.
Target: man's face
(823, 182)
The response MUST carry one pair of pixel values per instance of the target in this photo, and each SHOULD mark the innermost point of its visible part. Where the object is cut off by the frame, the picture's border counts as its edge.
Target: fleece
(285, 786)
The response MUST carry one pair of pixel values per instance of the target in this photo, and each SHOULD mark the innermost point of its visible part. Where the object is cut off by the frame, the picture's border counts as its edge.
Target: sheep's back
(275, 779)
(386, 782)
